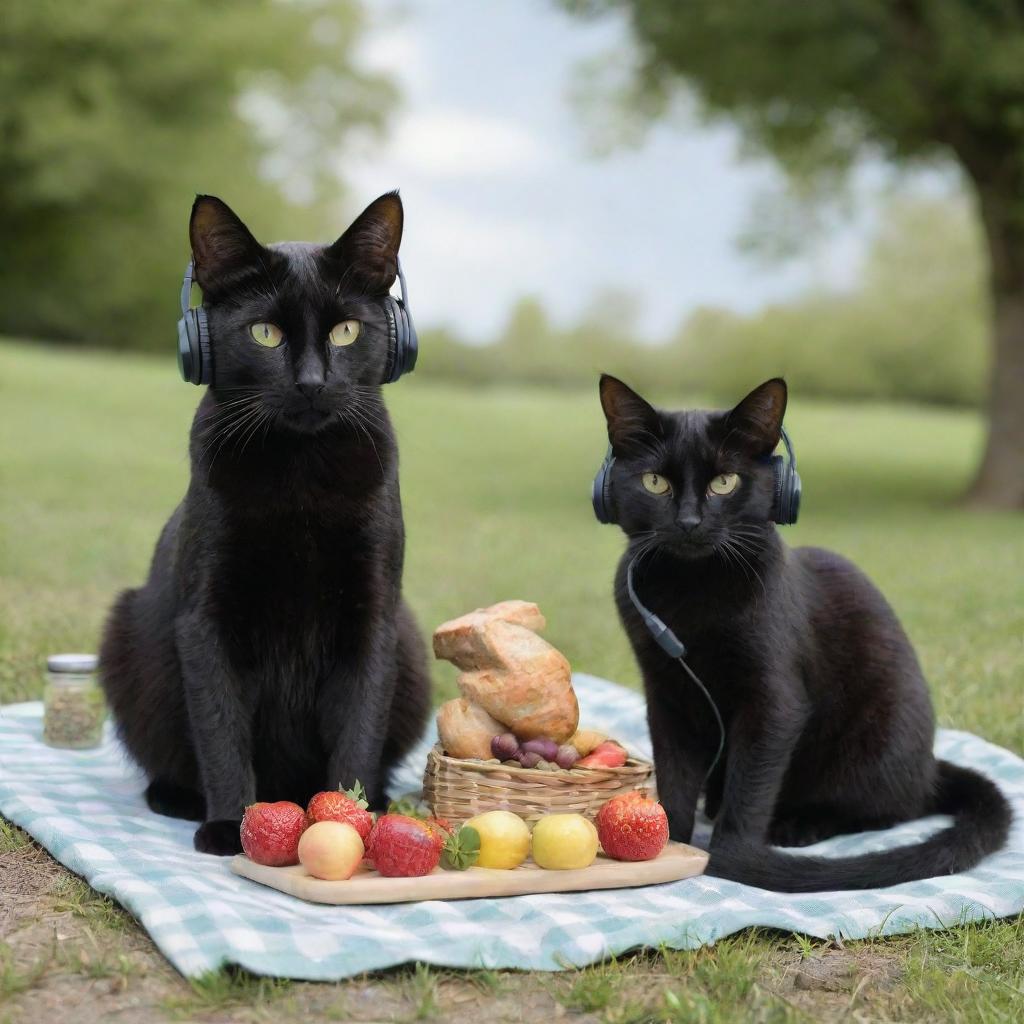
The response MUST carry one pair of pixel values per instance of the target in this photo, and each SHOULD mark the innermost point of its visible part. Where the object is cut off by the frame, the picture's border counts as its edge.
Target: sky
(504, 196)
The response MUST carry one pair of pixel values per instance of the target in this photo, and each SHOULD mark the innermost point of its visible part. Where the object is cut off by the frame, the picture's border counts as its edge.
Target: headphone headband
(195, 358)
(785, 478)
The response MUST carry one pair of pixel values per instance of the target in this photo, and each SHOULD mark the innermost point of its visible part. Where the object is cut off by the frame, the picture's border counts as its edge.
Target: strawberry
(271, 832)
(632, 827)
(401, 846)
(348, 806)
(608, 754)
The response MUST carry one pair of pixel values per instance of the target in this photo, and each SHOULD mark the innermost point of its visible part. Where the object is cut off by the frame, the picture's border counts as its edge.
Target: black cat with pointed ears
(269, 654)
(829, 724)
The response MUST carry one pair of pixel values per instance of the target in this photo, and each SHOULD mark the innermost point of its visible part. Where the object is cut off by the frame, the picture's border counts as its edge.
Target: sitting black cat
(269, 654)
(828, 719)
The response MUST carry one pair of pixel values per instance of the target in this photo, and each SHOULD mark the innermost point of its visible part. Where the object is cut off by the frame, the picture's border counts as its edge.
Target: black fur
(269, 653)
(828, 717)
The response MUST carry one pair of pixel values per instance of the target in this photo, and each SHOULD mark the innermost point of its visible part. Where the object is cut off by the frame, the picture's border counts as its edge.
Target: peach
(330, 850)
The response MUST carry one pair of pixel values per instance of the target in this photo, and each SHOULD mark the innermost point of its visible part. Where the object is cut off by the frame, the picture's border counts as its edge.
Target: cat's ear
(223, 248)
(369, 249)
(756, 423)
(632, 422)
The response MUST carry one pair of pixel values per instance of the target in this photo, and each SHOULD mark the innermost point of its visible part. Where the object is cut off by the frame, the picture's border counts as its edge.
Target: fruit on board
(632, 826)
(338, 805)
(465, 729)
(330, 850)
(608, 754)
(461, 849)
(403, 847)
(564, 841)
(270, 832)
(504, 839)
(518, 678)
(585, 740)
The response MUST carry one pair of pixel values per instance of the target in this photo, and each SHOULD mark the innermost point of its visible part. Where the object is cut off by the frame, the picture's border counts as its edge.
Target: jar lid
(77, 663)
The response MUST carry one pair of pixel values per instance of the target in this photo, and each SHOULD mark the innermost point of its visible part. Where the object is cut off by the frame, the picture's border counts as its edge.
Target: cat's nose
(688, 523)
(309, 389)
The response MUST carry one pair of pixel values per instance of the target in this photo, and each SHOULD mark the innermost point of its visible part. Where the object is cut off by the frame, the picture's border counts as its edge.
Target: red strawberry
(632, 827)
(608, 754)
(271, 832)
(441, 828)
(348, 806)
(401, 846)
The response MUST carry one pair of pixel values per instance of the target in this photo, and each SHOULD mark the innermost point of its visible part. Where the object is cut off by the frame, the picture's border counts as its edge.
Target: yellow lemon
(564, 841)
(504, 839)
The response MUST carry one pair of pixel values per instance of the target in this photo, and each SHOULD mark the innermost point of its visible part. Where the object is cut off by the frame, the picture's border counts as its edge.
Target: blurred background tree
(818, 84)
(114, 113)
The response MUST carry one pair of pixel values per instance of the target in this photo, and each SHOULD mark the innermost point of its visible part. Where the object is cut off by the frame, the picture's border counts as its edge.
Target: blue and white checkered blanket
(87, 809)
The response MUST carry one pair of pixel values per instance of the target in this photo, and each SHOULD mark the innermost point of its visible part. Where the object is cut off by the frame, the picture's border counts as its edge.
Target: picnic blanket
(86, 808)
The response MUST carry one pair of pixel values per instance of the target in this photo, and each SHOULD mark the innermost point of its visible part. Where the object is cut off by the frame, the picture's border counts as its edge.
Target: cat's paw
(221, 837)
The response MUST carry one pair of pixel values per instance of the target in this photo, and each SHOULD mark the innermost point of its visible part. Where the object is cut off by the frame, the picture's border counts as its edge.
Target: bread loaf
(465, 729)
(518, 678)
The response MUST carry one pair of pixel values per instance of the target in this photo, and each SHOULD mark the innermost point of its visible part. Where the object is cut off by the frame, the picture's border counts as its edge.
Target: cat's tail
(981, 823)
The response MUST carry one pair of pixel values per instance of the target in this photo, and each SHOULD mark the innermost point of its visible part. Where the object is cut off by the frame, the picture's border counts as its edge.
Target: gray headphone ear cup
(787, 493)
(403, 344)
(600, 493)
(202, 331)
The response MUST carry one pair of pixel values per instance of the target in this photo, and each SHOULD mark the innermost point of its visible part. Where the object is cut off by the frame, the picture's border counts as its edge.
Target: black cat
(270, 654)
(828, 719)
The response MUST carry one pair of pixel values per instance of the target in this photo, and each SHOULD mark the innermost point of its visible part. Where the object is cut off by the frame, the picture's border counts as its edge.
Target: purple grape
(567, 756)
(528, 758)
(548, 749)
(504, 746)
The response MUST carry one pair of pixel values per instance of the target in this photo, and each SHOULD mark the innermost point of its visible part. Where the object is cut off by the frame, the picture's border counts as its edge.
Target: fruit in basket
(516, 677)
(528, 758)
(505, 746)
(504, 839)
(567, 756)
(548, 749)
(347, 806)
(632, 826)
(465, 729)
(585, 740)
(562, 842)
(403, 847)
(330, 850)
(270, 832)
(608, 754)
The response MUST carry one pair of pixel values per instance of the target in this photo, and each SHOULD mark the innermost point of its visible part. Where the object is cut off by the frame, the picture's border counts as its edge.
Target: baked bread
(465, 729)
(519, 679)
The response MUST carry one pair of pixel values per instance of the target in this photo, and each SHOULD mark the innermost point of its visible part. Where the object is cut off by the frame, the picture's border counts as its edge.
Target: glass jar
(73, 704)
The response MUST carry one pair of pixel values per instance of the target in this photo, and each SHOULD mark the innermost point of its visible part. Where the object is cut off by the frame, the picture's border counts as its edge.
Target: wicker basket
(457, 789)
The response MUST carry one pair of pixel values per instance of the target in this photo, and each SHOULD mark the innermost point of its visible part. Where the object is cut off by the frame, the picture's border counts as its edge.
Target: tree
(114, 113)
(818, 84)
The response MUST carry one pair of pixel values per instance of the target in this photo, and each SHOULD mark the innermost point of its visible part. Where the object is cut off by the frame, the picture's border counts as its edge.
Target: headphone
(195, 355)
(785, 503)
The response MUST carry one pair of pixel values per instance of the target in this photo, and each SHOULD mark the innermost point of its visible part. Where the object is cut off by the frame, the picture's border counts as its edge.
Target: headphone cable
(674, 648)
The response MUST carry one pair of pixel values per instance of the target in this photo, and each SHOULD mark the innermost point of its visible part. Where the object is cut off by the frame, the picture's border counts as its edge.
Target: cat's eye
(345, 333)
(267, 335)
(656, 484)
(724, 483)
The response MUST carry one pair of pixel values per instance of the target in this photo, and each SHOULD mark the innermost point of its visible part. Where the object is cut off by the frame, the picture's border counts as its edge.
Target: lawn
(496, 485)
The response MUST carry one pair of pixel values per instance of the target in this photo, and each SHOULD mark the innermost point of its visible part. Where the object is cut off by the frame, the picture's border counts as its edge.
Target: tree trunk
(999, 482)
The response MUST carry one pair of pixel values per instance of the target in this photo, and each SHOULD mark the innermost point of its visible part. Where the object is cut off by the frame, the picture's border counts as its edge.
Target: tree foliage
(815, 84)
(114, 113)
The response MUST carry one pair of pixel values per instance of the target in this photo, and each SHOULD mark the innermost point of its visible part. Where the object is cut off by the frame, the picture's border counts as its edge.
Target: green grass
(496, 485)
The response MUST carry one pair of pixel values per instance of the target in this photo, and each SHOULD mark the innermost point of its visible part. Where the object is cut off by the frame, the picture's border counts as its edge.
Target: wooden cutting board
(676, 861)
